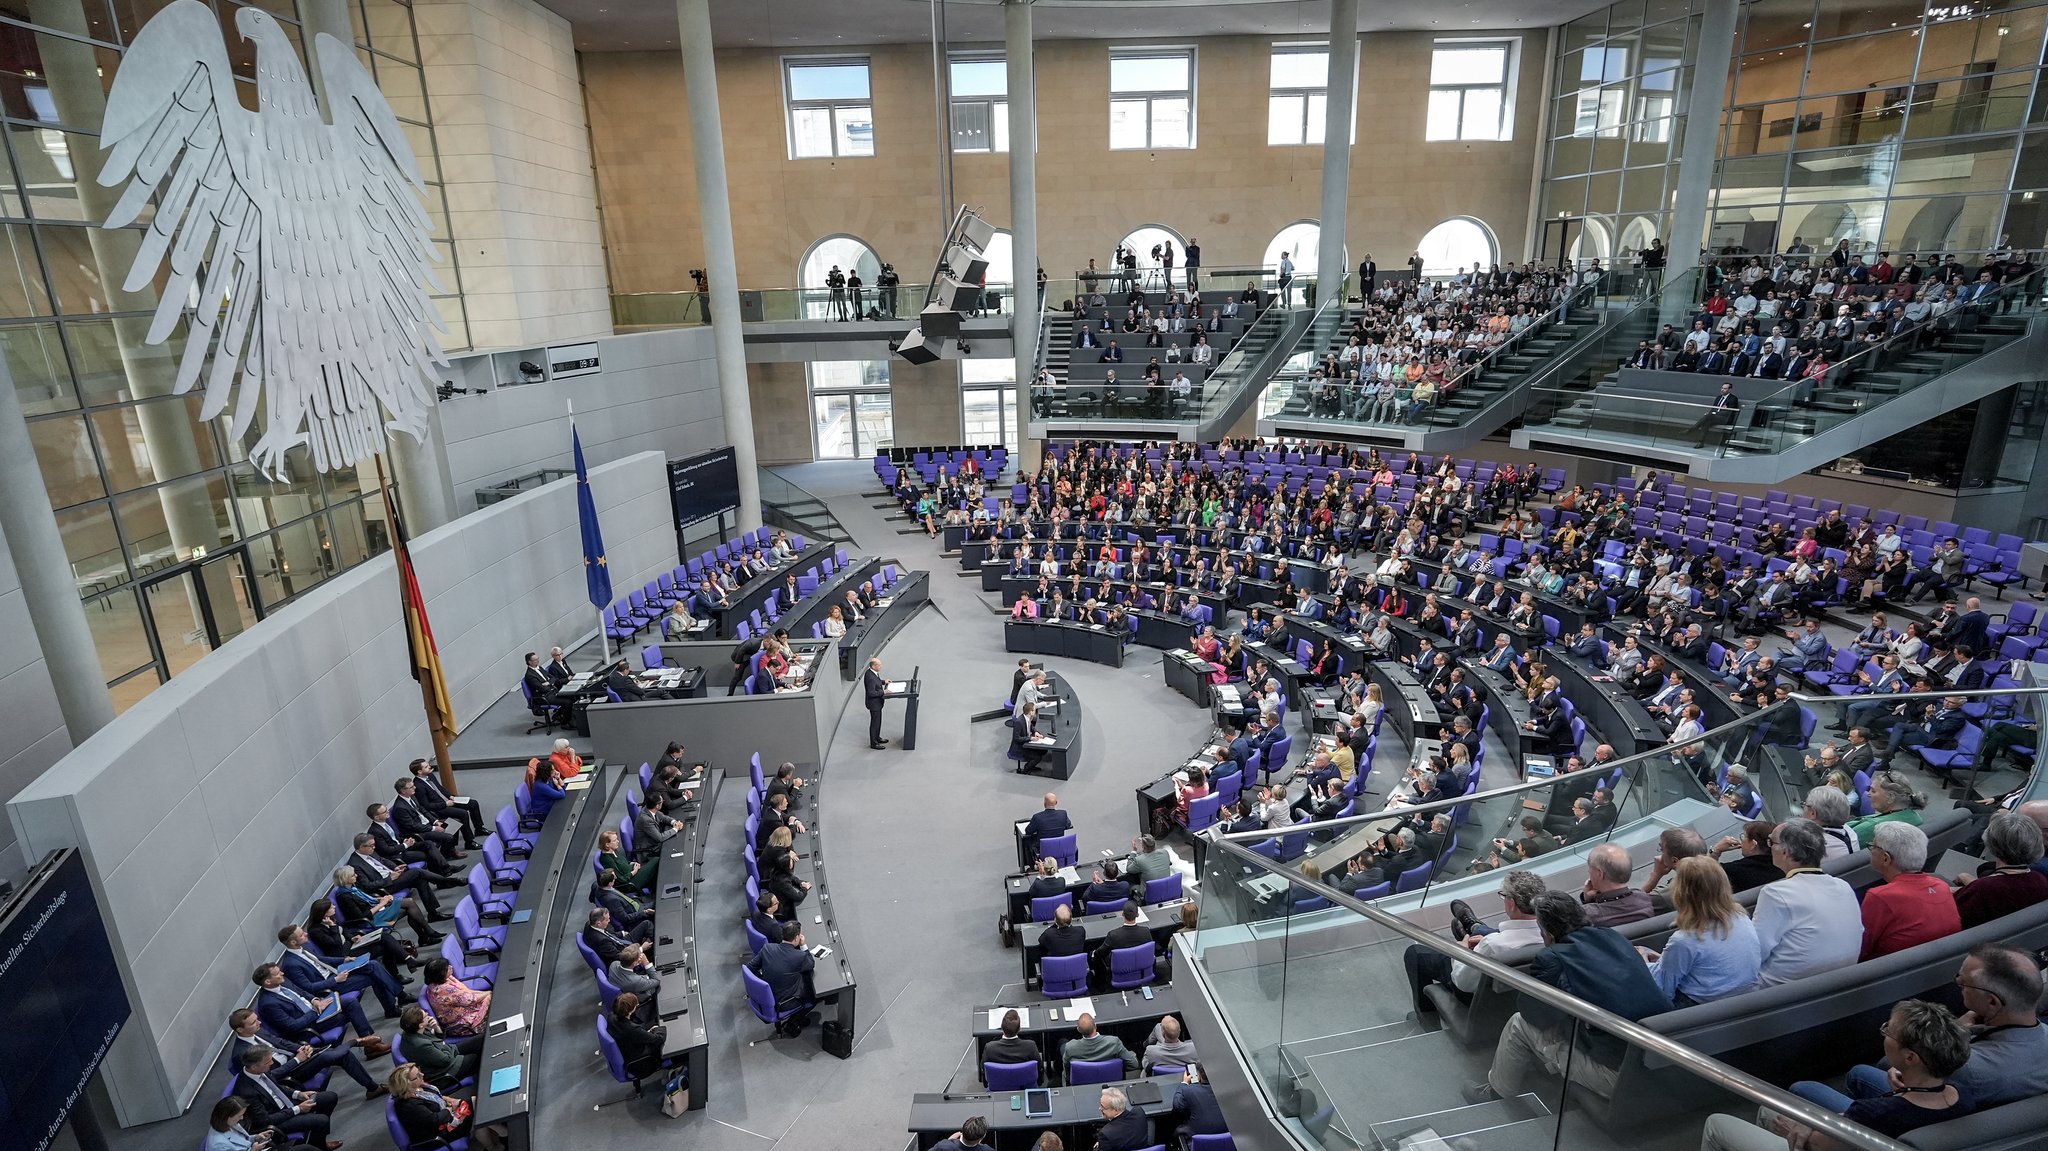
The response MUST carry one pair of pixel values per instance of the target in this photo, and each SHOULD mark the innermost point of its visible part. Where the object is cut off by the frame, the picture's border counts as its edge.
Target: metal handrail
(1662, 751)
(1635, 1034)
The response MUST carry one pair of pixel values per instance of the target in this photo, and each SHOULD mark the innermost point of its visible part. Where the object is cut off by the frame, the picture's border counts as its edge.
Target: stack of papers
(995, 1016)
(1076, 1008)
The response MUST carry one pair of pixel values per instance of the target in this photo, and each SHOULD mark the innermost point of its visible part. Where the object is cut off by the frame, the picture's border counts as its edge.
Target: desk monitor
(1037, 1103)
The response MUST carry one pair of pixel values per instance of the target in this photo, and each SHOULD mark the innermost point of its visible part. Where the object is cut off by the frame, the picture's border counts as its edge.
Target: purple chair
(1082, 1071)
(761, 998)
(485, 973)
(606, 989)
(755, 940)
(398, 1136)
(1043, 907)
(1063, 975)
(509, 832)
(487, 902)
(1162, 889)
(1105, 906)
(1064, 849)
(469, 927)
(589, 956)
(1011, 1076)
(615, 1060)
(1131, 966)
(503, 870)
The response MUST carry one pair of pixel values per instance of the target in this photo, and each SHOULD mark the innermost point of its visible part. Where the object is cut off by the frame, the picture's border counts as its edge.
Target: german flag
(419, 634)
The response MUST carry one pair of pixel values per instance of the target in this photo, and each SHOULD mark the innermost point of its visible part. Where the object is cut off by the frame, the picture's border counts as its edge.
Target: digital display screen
(61, 1002)
(703, 487)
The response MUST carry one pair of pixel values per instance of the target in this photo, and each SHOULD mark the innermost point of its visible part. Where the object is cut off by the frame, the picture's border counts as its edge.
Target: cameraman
(703, 293)
(885, 287)
(835, 282)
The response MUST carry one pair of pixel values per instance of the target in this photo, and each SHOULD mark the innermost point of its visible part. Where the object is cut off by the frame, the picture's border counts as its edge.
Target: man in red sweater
(1910, 907)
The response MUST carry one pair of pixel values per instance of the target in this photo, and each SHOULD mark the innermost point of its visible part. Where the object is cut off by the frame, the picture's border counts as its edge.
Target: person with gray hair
(1910, 907)
(1593, 963)
(1609, 898)
(1124, 1129)
(1894, 800)
(2008, 1061)
(1674, 845)
(1828, 808)
(2009, 882)
(1809, 921)
(1516, 939)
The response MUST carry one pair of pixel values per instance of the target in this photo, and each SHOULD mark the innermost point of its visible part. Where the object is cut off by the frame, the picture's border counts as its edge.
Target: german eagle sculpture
(296, 248)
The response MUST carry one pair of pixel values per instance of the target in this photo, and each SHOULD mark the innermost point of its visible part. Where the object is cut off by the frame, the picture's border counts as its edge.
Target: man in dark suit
(443, 805)
(628, 917)
(1010, 1046)
(1064, 937)
(1107, 887)
(776, 814)
(601, 937)
(1111, 354)
(1126, 1129)
(381, 875)
(874, 692)
(787, 967)
(314, 974)
(296, 1016)
(1368, 275)
(1023, 724)
(1971, 673)
(654, 826)
(1049, 822)
(395, 844)
(273, 1108)
(538, 684)
(293, 1063)
(1194, 1105)
(1972, 628)
(1721, 413)
(1088, 339)
(413, 820)
(767, 916)
(1130, 933)
(557, 668)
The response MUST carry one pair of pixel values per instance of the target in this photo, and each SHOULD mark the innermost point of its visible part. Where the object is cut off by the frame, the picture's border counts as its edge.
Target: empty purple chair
(1063, 975)
(1011, 1076)
(1083, 1071)
(1131, 966)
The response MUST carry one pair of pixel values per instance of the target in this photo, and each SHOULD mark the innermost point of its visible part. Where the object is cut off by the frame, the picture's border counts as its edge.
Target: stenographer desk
(1188, 674)
(754, 593)
(1092, 642)
(865, 637)
(549, 898)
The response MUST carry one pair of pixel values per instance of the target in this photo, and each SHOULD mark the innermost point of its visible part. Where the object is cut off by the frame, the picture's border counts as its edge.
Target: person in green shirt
(1892, 799)
(611, 853)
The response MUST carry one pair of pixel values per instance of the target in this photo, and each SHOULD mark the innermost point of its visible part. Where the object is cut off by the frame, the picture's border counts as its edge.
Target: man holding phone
(1194, 1106)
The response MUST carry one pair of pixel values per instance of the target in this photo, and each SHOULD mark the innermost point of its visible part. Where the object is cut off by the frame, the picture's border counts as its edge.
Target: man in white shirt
(1809, 922)
(1516, 939)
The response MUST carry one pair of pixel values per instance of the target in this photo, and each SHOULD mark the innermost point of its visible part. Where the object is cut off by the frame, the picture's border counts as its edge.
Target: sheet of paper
(1070, 875)
(1076, 1008)
(995, 1016)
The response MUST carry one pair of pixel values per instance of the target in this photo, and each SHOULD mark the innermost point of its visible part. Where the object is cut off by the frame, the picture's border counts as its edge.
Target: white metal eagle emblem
(298, 248)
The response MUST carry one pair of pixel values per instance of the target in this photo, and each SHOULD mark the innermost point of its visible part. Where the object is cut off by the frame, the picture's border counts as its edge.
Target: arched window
(1593, 242)
(850, 255)
(1302, 241)
(1455, 245)
(1637, 236)
(1143, 239)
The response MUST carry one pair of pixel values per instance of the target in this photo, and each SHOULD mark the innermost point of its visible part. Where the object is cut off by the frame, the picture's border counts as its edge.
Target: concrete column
(46, 581)
(721, 266)
(1331, 263)
(1702, 134)
(1023, 212)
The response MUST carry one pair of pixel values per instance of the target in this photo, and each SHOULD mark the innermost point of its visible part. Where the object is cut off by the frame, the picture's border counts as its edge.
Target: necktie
(291, 993)
(270, 1089)
(318, 964)
(375, 866)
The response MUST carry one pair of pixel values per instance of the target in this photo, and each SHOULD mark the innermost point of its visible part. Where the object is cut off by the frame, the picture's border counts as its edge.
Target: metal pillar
(1702, 135)
(721, 266)
(1330, 262)
(47, 584)
(1023, 212)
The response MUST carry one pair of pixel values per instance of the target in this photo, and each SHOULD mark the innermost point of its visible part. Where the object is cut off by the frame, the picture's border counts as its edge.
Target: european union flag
(595, 573)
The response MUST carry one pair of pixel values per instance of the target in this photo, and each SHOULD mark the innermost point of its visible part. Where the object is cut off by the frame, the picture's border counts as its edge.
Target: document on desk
(1076, 1008)
(505, 1079)
(898, 687)
(1070, 875)
(995, 1016)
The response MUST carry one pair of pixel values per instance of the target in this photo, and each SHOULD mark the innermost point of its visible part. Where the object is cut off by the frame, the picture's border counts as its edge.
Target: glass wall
(1617, 119)
(851, 412)
(175, 541)
(1890, 127)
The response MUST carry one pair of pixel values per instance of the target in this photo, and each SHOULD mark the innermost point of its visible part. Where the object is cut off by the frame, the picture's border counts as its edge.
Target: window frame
(1511, 67)
(998, 106)
(1296, 47)
(1150, 96)
(791, 105)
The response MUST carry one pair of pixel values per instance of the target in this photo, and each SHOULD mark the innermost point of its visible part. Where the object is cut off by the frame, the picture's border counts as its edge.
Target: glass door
(196, 607)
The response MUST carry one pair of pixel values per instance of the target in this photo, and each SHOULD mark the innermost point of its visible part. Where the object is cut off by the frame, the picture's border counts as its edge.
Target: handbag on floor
(675, 1094)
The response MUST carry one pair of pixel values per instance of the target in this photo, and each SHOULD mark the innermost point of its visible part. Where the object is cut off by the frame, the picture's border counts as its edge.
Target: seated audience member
(1010, 1046)
(276, 1109)
(292, 1062)
(1516, 939)
(1146, 862)
(224, 1129)
(379, 874)
(414, 820)
(361, 910)
(1108, 886)
(2009, 881)
(1925, 1046)
(1674, 845)
(1092, 1045)
(974, 1133)
(1048, 822)
(1132, 932)
(654, 827)
(1894, 800)
(314, 974)
(788, 969)
(428, 1117)
(639, 1043)
(1194, 1106)
(461, 1008)
(1713, 953)
(2008, 1061)
(1828, 809)
(632, 876)
(1046, 881)
(546, 789)
(768, 916)
(445, 1064)
(1809, 921)
(1597, 965)
(602, 936)
(1064, 937)
(1608, 896)
(327, 935)
(1910, 907)
(1125, 1128)
(632, 971)
(1165, 1047)
(299, 1016)
(1752, 868)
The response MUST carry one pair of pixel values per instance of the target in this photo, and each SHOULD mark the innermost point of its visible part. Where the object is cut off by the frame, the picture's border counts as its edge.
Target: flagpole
(444, 763)
(604, 639)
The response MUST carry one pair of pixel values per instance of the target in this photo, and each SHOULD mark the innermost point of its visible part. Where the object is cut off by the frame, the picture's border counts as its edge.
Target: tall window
(1152, 98)
(1656, 101)
(981, 106)
(851, 415)
(1468, 90)
(1295, 104)
(988, 400)
(829, 109)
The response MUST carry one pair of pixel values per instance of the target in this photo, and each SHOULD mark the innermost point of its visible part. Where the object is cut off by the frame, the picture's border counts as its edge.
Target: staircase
(1494, 391)
(1880, 392)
